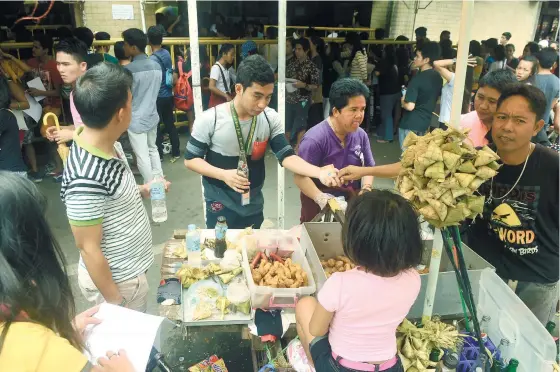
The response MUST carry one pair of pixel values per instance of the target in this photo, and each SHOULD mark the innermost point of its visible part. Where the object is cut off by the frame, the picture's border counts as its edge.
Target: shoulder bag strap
(224, 78)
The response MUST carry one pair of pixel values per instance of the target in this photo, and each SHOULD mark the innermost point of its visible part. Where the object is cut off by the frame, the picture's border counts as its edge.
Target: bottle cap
(221, 219)
(514, 362)
(191, 227)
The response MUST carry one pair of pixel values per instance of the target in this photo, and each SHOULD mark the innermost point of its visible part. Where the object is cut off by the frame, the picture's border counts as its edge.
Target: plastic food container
(268, 297)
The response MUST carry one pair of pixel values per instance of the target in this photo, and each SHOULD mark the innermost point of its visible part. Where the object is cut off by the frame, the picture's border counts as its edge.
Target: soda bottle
(484, 324)
(449, 362)
(157, 196)
(193, 245)
(497, 366)
(243, 171)
(221, 244)
(512, 366)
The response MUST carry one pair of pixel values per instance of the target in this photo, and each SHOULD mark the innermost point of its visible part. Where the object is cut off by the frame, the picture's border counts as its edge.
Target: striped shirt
(99, 188)
(358, 68)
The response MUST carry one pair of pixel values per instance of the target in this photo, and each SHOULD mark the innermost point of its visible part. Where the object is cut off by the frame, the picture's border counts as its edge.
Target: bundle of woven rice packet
(441, 172)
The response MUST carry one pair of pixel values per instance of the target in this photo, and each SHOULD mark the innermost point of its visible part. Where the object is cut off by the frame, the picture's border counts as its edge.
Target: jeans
(296, 118)
(135, 290)
(165, 111)
(387, 103)
(147, 155)
(321, 353)
(540, 298)
(404, 132)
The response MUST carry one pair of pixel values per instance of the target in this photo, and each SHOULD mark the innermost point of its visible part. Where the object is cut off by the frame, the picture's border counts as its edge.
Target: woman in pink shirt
(351, 326)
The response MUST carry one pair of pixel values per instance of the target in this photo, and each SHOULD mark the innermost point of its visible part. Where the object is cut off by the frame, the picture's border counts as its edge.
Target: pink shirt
(478, 129)
(367, 310)
(75, 114)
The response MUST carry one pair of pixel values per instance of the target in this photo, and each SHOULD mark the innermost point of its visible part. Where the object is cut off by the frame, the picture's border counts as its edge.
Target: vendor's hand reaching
(322, 199)
(236, 182)
(328, 176)
(299, 84)
(115, 362)
(82, 320)
(350, 173)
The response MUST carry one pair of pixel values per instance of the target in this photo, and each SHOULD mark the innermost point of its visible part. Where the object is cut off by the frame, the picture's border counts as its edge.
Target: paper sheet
(122, 11)
(37, 84)
(126, 329)
(35, 109)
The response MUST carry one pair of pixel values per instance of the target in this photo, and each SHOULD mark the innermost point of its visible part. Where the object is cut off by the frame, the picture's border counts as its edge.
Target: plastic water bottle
(193, 245)
(403, 91)
(157, 196)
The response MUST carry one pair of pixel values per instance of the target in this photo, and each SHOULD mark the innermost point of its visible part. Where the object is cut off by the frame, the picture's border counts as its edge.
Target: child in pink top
(352, 324)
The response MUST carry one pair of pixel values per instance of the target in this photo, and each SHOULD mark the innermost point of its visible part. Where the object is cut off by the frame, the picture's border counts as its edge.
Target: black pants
(165, 111)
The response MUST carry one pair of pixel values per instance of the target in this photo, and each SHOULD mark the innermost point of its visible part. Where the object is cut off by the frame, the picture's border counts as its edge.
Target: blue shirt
(164, 61)
(146, 81)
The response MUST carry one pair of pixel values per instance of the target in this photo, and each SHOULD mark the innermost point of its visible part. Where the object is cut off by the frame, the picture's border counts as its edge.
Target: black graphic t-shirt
(518, 234)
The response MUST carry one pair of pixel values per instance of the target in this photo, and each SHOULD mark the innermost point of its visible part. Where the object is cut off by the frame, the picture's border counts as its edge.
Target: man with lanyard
(212, 153)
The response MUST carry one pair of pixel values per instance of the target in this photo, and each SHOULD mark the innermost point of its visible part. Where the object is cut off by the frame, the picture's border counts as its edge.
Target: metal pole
(142, 16)
(195, 68)
(458, 89)
(461, 66)
(282, 7)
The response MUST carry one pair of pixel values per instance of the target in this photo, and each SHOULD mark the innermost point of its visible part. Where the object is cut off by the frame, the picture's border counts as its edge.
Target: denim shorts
(321, 352)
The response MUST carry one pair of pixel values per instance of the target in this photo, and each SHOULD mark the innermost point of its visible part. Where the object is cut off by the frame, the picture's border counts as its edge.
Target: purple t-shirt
(320, 147)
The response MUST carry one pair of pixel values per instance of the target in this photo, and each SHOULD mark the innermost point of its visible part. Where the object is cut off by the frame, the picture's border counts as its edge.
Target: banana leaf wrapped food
(440, 173)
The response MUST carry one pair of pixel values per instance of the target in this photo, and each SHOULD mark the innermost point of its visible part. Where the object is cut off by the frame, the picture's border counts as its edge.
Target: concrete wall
(97, 16)
(491, 18)
(379, 12)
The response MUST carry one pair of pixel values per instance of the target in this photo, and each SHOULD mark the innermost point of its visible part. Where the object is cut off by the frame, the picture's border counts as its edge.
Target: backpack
(168, 73)
(183, 96)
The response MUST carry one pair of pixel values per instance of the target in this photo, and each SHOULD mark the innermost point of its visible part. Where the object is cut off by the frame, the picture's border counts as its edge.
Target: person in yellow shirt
(38, 331)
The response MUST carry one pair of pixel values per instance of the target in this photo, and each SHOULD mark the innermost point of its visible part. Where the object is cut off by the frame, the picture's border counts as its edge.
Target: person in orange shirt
(479, 121)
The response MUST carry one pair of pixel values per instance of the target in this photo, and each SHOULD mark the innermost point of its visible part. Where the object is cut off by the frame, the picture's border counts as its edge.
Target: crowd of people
(333, 92)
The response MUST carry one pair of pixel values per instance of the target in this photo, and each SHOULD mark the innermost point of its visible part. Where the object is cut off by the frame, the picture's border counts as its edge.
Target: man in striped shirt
(103, 202)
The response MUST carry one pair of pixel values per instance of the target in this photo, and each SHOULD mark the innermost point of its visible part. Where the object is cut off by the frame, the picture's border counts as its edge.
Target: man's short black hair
(45, 41)
(85, 35)
(74, 47)
(344, 89)
(118, 48)
(271, 33)
(534, 96)
(491, 43)
(533, 47)
(303, 42)
(102, 35)
(224, 49)
(498, 80)
(431, 50)
(507, 35)
(474, 48)
(254, 69)
(421, 31)
(155, 36)
(381, 233)
(135, 37)
(101, 92)
(445, 32)
(63, 32)
(510, 46)
(379, 33)
(547, 57)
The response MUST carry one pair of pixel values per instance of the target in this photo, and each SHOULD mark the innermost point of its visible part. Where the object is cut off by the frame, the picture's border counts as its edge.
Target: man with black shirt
(422, 93)
(518, 232)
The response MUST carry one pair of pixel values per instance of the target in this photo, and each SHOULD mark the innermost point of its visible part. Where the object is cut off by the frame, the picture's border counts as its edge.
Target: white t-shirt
(446, 99)
(217, 75)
